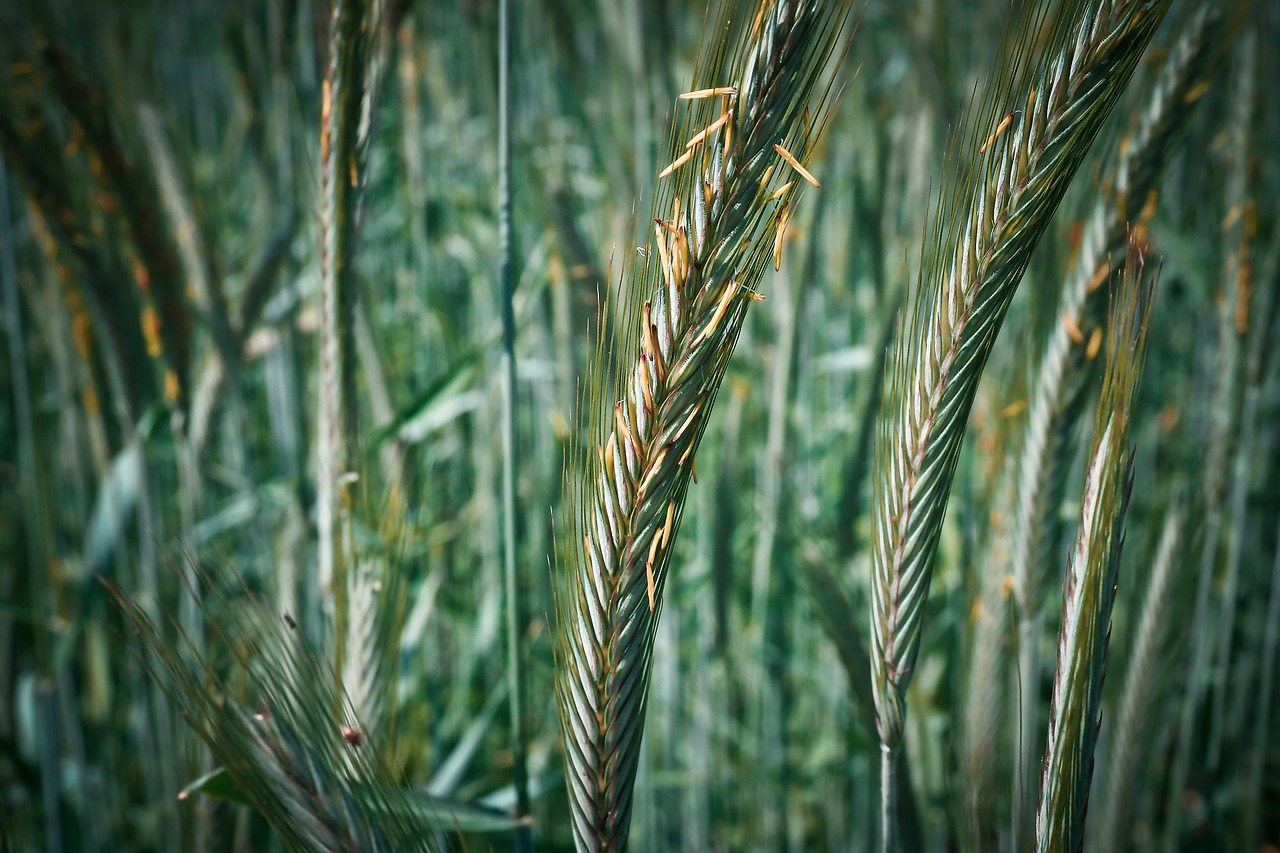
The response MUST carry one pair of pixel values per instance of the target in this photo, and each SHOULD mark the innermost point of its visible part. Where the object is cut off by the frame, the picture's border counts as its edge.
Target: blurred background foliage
(159, 262)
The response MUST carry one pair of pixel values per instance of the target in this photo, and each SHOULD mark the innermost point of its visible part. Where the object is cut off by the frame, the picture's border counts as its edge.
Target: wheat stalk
(1141, 688)
(1088, 591)
(723, 204)
(1222, 416)
(988, 221)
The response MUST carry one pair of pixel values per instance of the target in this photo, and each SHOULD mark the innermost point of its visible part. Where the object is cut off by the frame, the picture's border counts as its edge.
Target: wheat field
(738, 425)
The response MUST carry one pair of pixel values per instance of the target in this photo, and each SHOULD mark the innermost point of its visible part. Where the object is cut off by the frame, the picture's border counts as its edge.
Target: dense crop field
(778, 425)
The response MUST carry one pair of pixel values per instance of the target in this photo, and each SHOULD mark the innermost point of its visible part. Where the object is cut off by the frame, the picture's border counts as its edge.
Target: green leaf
(447, 814)
(440, 813)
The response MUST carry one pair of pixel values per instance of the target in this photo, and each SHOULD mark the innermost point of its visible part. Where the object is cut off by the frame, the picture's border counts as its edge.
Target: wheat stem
(1238, 272)
(1257, 757)
(514, 605)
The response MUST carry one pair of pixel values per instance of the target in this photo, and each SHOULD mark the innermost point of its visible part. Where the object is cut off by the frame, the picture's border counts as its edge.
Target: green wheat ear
(1025, 139)
(278, 722)
(720, 214)
(1088, 593)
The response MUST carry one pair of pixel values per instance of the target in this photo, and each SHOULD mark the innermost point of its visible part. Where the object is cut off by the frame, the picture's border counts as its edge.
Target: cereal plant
(679, 425)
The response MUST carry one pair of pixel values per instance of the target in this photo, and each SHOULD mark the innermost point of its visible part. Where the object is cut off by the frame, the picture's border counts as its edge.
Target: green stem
(888, 781)
(514, 616)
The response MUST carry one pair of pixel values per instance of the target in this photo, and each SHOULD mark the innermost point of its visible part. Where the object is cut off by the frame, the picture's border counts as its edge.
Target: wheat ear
(288, 744)
(988, 221)
(721, 211)
(1089, 589)
(156, 268)
(1065, 364)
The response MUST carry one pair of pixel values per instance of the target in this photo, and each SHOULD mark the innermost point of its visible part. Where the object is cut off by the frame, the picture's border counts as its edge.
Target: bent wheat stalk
(722, 209)
(1029, 136)
(1088, 593)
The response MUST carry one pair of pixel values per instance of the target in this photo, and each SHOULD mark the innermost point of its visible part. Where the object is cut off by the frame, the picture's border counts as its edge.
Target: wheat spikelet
(372, 641)
(722, 207)
(986, 226)
(1088, 591)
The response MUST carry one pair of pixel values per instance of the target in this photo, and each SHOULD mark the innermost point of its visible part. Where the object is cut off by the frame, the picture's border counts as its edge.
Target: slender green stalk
(1088, 593)
(511, 579)
(888, 798)
(1028, 137)
(1239, 240)
(721, 210)
(1066, 365)
(343, 168)
(1223, 428)
(36, 519)
(1254, 793)
(1142, 689)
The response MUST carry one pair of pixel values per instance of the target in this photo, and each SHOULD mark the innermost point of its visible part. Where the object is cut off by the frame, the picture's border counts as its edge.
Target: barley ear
(720, 214)
(987, 222)
(1089, 589)
(1026, 139)
(1067, 365)
(280, 724)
